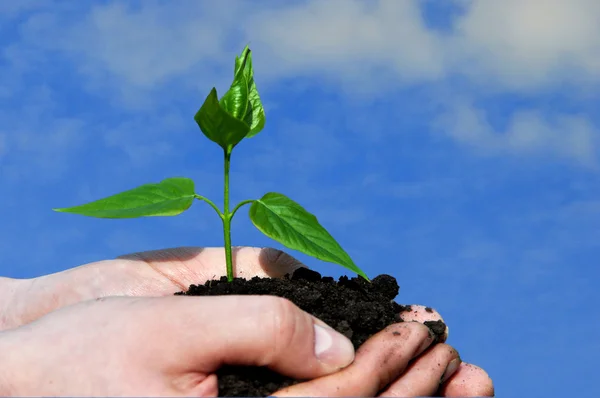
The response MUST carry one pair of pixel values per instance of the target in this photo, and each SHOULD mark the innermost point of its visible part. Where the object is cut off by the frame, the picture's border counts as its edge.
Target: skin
(154, 343)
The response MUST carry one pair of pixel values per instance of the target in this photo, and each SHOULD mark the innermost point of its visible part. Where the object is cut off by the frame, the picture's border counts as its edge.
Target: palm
(165, 272)
(153, 273)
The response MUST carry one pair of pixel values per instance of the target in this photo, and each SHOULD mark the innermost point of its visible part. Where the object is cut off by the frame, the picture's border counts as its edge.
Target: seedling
(237, 115)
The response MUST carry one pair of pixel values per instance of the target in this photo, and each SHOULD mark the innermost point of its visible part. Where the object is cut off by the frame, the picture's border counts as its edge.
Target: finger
(184, 266)
(422, 314)
(468, 381)
(380, 360)
(424, 375)
(208, 332)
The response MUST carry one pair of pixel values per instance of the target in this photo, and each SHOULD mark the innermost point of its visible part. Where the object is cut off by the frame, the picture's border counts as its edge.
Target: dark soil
(354, 307)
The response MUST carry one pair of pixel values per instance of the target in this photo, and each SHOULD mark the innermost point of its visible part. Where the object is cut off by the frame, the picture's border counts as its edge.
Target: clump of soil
(354, 307)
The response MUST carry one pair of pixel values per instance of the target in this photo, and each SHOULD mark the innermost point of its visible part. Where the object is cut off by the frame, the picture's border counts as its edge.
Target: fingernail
(425, 344)
(332, 348)
(450, 369)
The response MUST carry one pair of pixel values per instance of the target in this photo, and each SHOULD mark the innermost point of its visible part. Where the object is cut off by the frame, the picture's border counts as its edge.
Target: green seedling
(237, 115)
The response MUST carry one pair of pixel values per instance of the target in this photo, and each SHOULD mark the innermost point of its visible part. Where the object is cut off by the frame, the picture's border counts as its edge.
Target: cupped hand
(166, 346)
(402, 371)
(400, 361)
(147, 274)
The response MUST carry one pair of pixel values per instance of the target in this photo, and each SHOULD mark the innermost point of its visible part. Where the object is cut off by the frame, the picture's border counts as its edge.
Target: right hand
(123, 346)
(166, 346)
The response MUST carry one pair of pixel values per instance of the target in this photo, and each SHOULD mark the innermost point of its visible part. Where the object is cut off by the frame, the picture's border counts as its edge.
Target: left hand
(165, 272)
(153, 273)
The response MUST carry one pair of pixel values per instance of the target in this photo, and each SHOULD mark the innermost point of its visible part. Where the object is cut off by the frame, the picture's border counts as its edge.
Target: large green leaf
(169, 197)
(218, 125)
(255, 114)
(285, 221)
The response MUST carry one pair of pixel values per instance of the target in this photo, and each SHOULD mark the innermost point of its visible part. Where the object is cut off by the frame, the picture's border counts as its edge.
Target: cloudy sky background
(454, 145)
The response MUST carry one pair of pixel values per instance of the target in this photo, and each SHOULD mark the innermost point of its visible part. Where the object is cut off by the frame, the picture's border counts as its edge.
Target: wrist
(7, 363)
(12, 301)
(24, 300)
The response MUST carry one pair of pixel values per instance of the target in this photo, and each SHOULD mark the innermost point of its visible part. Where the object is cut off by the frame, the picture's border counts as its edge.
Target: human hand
(400, 361)
(153, 273)
(162, 273)
(166, 346)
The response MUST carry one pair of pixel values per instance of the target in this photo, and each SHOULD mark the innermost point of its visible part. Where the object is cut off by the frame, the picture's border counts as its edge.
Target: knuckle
(446, 351)
(272, 255)
(283, 323)
(280, 258)
(408, 331)
(416, 330)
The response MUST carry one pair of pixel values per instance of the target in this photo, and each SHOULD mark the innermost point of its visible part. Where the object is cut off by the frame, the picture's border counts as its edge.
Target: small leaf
(255, 114)
(235, 100)
(218, 125)
(169, 197)
(241, 61)
(285, 221)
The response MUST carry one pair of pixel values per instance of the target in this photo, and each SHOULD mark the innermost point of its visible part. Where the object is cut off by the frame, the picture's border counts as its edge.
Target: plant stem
(244, 202)
(214, 206)
(227, 218)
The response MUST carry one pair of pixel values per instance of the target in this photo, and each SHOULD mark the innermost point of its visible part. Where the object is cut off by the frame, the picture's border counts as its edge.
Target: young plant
(237, 115)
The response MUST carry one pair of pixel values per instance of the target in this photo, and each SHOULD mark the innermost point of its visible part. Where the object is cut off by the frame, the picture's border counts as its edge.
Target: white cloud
(145, 45)
(361, 43)
(145, 53)
(133, 50)
(149, 45)
(528, 44)
(513, 45)
(528, 132)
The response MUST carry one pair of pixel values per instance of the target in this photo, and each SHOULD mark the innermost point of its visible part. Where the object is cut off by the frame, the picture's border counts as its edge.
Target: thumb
(250, 330)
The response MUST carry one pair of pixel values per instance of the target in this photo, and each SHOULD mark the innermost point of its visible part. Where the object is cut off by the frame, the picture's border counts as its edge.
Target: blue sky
(453, 146)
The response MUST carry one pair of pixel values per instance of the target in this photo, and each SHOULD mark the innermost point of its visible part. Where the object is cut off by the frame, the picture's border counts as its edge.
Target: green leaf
(240, 62)
(218, 125)
(235, 100)
(255, 114)
(169, 197)
(285, 221)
